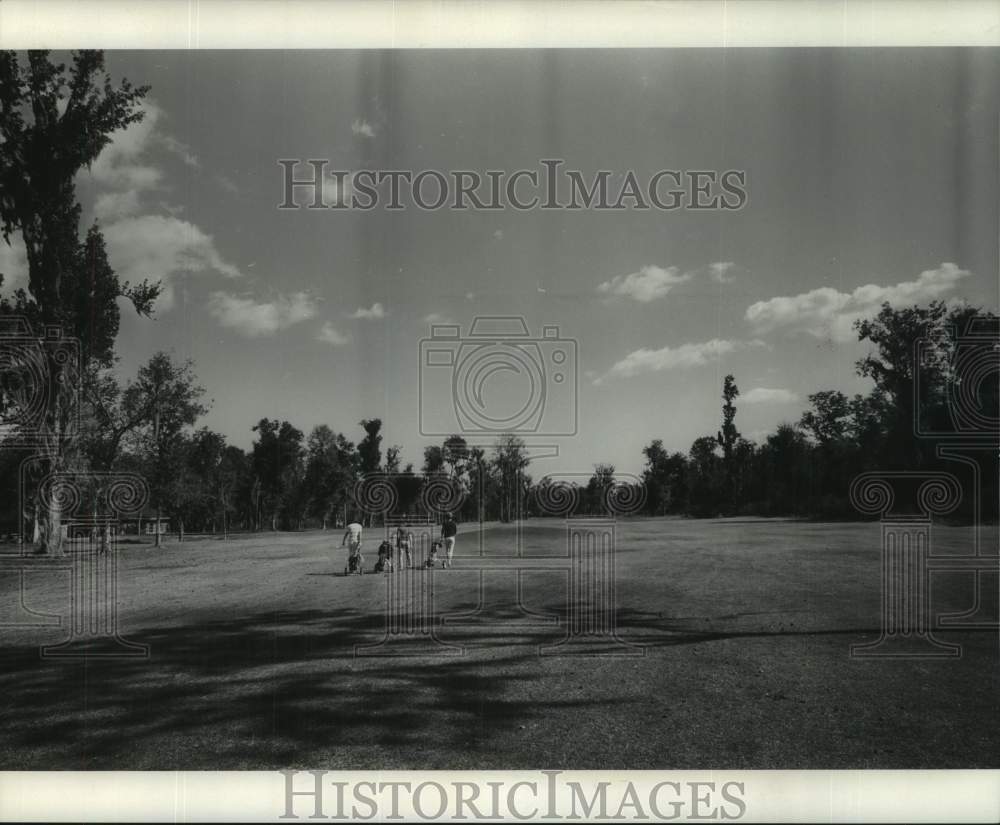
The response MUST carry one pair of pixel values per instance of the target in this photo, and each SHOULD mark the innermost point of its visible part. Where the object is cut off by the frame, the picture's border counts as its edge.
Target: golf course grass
(734, 652)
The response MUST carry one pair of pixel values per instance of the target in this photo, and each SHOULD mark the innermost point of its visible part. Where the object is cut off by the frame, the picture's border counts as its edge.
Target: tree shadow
(265, 690)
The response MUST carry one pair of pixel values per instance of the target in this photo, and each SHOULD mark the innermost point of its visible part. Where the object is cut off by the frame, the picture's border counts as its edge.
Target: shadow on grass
(265, 690)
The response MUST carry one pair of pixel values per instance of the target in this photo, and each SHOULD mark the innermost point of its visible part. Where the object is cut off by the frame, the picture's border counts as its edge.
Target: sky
(871, 176)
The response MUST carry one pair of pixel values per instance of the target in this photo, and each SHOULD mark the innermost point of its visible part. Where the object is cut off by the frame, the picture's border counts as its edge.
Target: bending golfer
(352, 538)
(449, 529)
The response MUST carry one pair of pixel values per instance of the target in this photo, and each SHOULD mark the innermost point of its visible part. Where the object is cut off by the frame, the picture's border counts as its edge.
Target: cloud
(227, 183)
(158, 248)
(254, 319)
(437, 318)
(648, 284)
(828, 313)
(766, 395)
(329, 335)
(360, 126)
(376, 313)
(182, 150)
(114, 205)
(122, 164)
(13, 264)
(686, 355)
(717, 272)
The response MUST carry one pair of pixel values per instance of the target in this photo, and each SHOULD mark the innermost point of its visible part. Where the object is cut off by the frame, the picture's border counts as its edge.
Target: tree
(787, 476)
(705, 487)
(510, 460)
(479, 481)
(908, 385)
(370, 449)
(331, 468)
(53, 123)
(666, 479)
(276, 458)
(455, 455)
(433, 460)
(158, 406)
(393, 459)
(597, 487)
(829, 419)
(727, 438)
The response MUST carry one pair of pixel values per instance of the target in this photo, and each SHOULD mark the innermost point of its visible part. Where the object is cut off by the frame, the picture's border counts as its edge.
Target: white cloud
(182, 150)
(253, 319)
(766, 395)
(376, 312)
(158, 248)
(13, 264)
(329, 335)
(648, 284)
(828, 313)
(113, 205)
(686, 355)
(717, 272)
(362, 127)
(437, 318)
(122, 164)
(153, 247)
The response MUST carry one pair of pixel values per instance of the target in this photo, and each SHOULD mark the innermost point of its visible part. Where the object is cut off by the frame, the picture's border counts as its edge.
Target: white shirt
(354, 532)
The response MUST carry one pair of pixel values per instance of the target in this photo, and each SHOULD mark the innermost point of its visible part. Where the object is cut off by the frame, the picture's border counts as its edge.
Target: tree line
(934, 383)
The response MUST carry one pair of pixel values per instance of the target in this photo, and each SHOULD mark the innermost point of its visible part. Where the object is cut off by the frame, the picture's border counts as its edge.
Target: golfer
(404, 543)
(449, 530)
(352, 538)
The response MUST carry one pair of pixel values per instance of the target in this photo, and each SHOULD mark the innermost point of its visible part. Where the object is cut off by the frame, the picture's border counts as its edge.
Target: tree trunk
(50, 532)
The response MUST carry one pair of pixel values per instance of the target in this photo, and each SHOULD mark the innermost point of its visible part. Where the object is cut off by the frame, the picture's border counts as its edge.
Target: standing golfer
(404, 543)
(449, 530)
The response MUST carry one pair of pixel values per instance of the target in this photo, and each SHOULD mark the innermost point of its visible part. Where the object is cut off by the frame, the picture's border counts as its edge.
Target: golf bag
(355, 564)
(384, 563)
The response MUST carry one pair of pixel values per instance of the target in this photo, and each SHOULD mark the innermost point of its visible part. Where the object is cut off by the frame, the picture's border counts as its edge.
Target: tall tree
(54, 121)
(370, 448)
(727, 438)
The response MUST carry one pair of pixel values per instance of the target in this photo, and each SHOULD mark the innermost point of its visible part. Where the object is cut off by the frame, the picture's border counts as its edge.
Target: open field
(746, 627)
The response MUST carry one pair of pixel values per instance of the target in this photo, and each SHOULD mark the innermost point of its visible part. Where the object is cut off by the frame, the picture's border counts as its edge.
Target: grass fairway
(746, 628)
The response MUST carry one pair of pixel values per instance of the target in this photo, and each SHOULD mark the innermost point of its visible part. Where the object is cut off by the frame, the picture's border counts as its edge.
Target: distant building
(149, 524)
